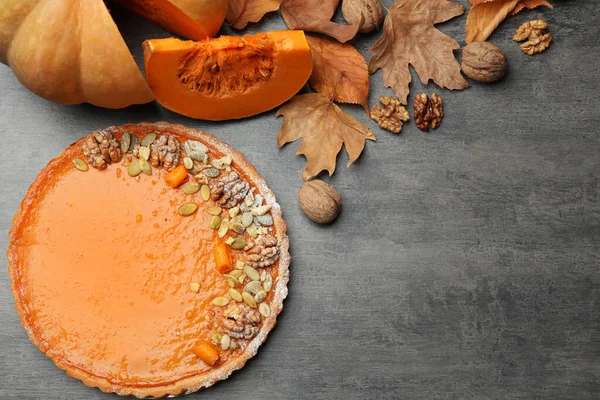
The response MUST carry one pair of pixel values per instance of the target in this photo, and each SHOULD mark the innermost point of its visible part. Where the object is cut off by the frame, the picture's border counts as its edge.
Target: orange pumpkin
(227, 77)
(71, 51)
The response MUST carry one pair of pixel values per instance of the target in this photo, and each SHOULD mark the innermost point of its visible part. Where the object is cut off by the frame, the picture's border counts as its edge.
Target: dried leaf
(409, 37)
(529, 4)
(324, 128)
(241, 12)
(315, 16)
(485, 17)
(339, 72)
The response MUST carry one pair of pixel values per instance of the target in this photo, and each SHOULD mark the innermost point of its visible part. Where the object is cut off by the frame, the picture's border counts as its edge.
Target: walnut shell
(369, 13)
(319, 201)
(484, 62)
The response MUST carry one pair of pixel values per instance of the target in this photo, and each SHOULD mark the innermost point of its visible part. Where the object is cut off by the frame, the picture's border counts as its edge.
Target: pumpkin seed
(237, 227)
(190, 188)
(264, 220)
(263, 275)
(229, 240)
(188, 209)
(264, 310)
(125, 142)
(248, 299)
(225, 342)
(242, 278)
(211, 172)
(145, 165)
(236, 273)
(252, 273)
(195, 150)
(223, 228)
(252, 230)
(132, 143)
(214, 210)
(215, 222)
(233, 212)
(205, 192)
(144, 152)
(235, 294)
(188, 163)
(80, 164)
(238, 243)
(239, 265)
(253, 287)
(232, 281)
(258, 200)
(247, 219)
(260, 296)
(261, 210)
(215, 336)
(221, 301)
(268, 283)
(135, 168)
(148, 139)
(218, 164)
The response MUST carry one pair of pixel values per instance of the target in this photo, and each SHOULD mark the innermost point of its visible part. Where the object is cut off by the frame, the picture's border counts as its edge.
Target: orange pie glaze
(102, 265)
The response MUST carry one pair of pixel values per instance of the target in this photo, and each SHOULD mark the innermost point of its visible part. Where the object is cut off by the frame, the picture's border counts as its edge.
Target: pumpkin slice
(228, 77)
(193, 19)
(70, 52)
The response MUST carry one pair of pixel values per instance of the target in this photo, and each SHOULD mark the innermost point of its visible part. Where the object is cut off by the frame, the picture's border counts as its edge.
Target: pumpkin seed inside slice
(236, 273)
(190, 187)
(221, 301)
(253, 287)
(223, 228)
(215, 222)
(125, 142)
(144, 152)
(238, 243)
(232, 281)
(264, 310)
(145, 165)
(215, 336)
(188, 209)
(132, 142)
(247, 219)
(252, 273)
(268, 283)
(235, 294)
(225, 342)
(205, 192)
(214, 210)
(248, 299)
(260, 296)
(135, 168)
(80, 164)
(148, 139)
(188, 163)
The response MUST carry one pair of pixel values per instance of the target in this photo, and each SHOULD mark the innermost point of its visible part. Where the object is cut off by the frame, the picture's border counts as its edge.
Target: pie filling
(137, 282)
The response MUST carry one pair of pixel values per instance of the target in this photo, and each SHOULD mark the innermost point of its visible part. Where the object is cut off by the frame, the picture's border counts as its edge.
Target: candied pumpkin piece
(228, 77)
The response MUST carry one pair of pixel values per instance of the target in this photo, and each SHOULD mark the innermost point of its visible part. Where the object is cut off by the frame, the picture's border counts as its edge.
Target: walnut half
(428, 112)
(101, 149)
(534, 32)
(392, 116)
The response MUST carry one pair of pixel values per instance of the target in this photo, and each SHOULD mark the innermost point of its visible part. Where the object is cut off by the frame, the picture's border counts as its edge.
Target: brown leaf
(339, 72)
(315, 16)
(485, 17)
(529, 4)
(241, 12)
(409, 37)
(324, 128)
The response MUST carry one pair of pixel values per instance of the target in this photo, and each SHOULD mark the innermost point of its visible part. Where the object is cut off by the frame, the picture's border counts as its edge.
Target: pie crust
(76, 294)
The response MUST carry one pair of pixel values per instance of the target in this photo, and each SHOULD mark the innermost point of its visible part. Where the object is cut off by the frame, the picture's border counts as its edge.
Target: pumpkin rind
(227, 77)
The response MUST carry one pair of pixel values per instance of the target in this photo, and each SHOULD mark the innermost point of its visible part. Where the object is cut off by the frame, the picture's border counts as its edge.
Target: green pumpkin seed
(235, 294)
(252, 231)
(253, 287)
(135, 168)
(247, 219)
(239, 265)
(252, 273)
(144, 153)
(188, 209)
(225, 342)
(238, 244)
(237, 227)
(215, 336)
(260, 296)
(242, 278)
(80, 164)
(221, 301)
(248, 299)
(264, 310)
(188, 163)
(148, 139)
(195, 150)
(190, 187)
(211, 172)
(214, 210)
(125, 142)
(263, 275)
(205, 192)
(215, 222)
(232, 281)
(268, 283)
(236, 273)
(233, 212)
(132, 143)
(145, 165)
(223, 228)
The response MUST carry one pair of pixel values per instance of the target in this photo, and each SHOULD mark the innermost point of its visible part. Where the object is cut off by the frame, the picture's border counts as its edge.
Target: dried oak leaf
(409, 37)
(324, 128)
(315, 16)
(241, 12)
(530, 4)
(339, 72)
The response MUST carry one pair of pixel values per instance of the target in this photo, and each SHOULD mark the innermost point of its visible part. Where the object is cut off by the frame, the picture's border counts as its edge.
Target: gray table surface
(464, 264)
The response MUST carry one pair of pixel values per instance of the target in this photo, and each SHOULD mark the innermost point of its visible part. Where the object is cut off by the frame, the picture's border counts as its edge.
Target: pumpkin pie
(149, 260)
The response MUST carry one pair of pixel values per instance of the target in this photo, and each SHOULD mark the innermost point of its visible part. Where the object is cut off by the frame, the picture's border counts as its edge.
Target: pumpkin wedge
(192, 19)
(69, 52)
(228, 77)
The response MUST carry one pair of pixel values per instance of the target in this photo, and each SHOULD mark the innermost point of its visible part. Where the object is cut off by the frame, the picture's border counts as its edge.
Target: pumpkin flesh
(227, 77)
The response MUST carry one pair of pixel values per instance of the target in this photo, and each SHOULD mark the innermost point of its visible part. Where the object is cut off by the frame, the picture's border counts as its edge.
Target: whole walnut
(484, 62)
(319, 201)
(367, 12)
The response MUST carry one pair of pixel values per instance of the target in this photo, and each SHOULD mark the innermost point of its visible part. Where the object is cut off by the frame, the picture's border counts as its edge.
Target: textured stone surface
(464, 264)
